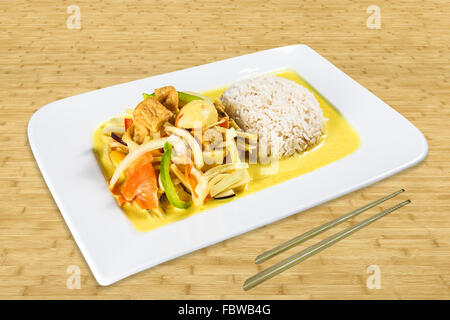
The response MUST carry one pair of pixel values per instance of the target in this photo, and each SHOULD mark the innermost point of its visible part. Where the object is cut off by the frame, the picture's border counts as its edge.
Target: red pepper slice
(192, 180)
(128, 122)
(225, 124)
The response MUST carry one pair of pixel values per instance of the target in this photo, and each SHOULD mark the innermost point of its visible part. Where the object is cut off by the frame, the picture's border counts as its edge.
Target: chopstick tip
(246, 286)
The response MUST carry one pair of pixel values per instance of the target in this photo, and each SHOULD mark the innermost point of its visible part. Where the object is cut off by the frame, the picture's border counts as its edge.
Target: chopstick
(312, 250)
(324, 227)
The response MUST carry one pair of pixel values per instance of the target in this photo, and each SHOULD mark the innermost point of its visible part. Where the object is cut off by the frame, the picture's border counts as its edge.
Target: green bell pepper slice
(186, 97)
(183, 96)
(166, 181)
(146, 95)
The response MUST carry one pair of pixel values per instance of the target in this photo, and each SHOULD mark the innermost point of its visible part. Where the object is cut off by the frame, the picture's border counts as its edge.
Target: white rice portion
(282, 112)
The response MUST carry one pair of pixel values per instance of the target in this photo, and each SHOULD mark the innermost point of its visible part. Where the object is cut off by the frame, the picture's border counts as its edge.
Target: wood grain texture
(405, 63)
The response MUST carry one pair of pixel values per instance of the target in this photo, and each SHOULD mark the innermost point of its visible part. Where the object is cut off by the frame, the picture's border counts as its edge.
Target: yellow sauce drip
(338, 141)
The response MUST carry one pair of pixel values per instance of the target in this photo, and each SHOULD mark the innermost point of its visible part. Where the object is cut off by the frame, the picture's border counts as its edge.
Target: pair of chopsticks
(316, 248)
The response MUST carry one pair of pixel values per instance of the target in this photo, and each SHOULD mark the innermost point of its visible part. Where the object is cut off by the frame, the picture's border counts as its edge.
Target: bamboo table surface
(405, 63)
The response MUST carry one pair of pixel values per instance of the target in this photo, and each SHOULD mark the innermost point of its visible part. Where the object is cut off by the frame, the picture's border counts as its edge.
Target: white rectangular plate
(60, 137)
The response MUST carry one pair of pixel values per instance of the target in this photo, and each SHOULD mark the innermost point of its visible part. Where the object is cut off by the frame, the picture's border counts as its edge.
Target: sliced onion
(178, 145)
(161, 187)
(117, 129)
(139, 151)
(180, 175)
(130, 143)
(202, 187)
(193, 144)
(199, 95)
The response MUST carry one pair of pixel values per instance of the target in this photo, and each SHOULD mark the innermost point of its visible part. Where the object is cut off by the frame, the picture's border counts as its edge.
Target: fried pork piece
(135, 136)
(150, 114)
(139, 133)
(168, 96)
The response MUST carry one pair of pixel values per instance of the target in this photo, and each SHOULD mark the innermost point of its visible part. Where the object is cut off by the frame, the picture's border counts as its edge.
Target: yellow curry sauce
(338, 141)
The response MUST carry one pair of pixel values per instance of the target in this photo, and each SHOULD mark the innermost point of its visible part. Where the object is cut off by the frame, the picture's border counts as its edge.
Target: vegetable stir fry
(176, 149)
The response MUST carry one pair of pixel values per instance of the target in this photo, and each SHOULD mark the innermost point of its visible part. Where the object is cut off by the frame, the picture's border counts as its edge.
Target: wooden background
(405, 63)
